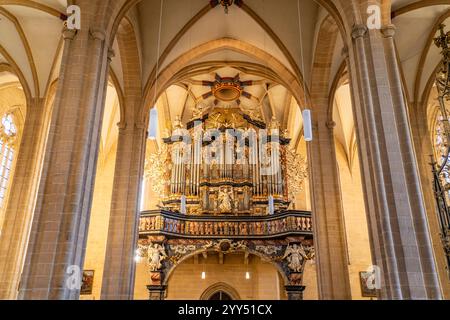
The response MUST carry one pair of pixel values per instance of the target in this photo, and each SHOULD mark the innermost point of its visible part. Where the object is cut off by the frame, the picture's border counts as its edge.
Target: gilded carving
(157, 168)
(295, 255)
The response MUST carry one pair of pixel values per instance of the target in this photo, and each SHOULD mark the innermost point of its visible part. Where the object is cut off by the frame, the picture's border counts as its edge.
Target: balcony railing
(261, 227)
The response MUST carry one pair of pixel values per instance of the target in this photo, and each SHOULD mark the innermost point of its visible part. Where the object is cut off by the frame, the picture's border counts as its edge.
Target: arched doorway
(220, 292)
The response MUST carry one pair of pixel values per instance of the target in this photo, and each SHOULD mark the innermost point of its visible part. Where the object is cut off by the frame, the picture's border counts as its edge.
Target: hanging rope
(158, 47)
(307, 126)
(301, 50)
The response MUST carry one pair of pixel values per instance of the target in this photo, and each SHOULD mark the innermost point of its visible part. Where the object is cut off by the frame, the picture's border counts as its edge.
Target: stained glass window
(8, 125)
(7, 153)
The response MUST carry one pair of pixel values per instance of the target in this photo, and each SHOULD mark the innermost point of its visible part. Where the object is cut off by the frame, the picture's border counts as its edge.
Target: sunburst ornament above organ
(228, 89)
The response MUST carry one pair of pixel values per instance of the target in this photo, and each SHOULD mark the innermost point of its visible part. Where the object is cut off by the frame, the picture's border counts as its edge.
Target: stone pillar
(157, 289)
(119, 268)
(19, 211)
(157, 292)
(328, 217)
(295, 292)
(59, 231)
(398, 227)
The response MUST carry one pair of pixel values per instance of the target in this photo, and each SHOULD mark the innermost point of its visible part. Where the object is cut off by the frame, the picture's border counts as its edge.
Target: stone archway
(275, 252)
(209, 293)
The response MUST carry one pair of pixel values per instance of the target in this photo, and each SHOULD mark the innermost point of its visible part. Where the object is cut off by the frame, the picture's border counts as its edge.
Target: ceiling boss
(226, 3)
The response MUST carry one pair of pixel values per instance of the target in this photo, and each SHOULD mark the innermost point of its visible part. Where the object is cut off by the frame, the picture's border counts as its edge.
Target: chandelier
(226, 3)
(441, 172)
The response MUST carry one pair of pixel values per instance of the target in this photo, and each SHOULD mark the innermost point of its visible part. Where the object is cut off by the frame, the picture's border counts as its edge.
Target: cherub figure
(295, 255)
(155, 255)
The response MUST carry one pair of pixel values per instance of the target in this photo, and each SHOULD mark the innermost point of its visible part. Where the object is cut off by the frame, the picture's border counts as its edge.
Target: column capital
(111, 54)
(122, 125)
(140, 125)
(359, 31)
(344, 51)
(331, 124)
(388, 31)
(97, 34)
(68, 34)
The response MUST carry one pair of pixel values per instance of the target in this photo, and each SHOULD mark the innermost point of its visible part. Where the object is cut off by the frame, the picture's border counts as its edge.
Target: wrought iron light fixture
(441, 172)
(226, 3)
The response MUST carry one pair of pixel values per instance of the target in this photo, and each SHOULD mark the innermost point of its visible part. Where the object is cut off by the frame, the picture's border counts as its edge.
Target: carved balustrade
(186, 226)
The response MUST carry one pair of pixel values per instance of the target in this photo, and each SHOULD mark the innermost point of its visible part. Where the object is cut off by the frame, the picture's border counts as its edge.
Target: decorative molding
(288, 255)
(289, 223)
(140, 125)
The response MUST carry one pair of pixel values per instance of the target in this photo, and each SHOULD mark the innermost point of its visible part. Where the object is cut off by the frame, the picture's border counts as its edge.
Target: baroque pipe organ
(226, 163)
(225, 184)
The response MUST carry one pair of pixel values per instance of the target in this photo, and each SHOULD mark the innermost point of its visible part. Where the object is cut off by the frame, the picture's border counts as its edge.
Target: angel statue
(155, 255)
(225, 200)
(295, 255)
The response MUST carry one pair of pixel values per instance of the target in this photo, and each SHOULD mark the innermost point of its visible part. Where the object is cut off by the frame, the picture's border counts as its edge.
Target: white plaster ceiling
(413, 30)
(280, 16)
(59, 5)
(41, 32)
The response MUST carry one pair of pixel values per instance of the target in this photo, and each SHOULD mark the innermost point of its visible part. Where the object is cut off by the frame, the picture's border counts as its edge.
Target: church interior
(224, 150)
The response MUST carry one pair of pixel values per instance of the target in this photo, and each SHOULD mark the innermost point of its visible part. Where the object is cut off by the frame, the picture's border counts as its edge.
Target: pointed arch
(154, 87)
(217, 287)
(26, 46)
(14, 68)
(131, 66)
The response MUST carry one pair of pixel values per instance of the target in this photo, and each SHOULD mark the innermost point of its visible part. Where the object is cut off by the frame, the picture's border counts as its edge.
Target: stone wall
(356, 228)
(98, 227)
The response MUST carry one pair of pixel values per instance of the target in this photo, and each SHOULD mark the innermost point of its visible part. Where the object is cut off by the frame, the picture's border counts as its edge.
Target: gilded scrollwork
(290, 258)
(268, 249)
(157, 168)
(225, 245)
(296, 172)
